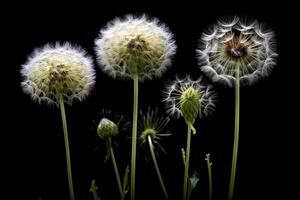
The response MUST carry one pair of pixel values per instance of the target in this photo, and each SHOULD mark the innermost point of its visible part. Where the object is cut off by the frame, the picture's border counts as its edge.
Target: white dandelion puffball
(59, 70)
(189, 98)
(135, 46)
(237, 48)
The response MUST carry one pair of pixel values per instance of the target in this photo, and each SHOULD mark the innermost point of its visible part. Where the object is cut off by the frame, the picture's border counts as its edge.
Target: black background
(35, 150)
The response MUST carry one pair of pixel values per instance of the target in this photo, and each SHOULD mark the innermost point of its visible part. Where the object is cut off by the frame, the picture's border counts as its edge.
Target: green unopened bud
(107, 128)
(189, 104)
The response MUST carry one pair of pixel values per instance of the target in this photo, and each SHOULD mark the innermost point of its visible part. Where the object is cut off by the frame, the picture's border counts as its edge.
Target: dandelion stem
(156, 167)
(116, 170)
(93, 190)
(134, 134)
(187, 161)
(236, 136)
(67, 148)
(209, 164)
(183, 156)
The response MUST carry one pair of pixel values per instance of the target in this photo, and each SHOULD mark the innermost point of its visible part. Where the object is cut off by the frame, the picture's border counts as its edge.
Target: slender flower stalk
(209, 164)
(188, 98)
(234, 52)
(187, 163)
(58, 74)
(67, 148)
(156, 167)
(134, 134)
(122, 196)
(183, 155)
(137, 48)
(151, 129)
(236, 136)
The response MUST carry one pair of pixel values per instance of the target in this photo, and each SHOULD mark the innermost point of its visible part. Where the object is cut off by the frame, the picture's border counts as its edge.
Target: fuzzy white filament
(236, 44)
(135, 45)
(58, 70)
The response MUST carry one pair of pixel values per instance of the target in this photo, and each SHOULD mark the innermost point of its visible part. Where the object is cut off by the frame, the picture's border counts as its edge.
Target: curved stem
(156, 167)
(67, 148)
(236, 136)
(209, 164)
(134, 134)
(116, 170)
(187, 161)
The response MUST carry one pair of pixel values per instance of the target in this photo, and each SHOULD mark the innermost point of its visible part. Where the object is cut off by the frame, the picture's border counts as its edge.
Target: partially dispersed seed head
(153, 125)
(188, 98)
(237, 50)
(148, 132)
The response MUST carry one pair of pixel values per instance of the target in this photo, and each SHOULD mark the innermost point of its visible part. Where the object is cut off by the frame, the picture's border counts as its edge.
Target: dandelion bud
(189, 104)
(107, 128)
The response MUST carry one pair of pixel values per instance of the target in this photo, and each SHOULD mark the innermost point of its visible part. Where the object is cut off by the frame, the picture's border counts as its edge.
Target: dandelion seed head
(236, 48)
(152, 124)
(189, 98)
(58, 70)
(135, 45)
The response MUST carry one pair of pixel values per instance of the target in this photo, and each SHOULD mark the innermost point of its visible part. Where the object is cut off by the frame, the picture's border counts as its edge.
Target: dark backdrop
(36, 152)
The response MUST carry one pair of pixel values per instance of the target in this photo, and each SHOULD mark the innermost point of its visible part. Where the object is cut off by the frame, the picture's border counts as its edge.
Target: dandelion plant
(56, 74)
(237, 51)
(188, 98)
(106, 130)
(138, 48)
(151, 129)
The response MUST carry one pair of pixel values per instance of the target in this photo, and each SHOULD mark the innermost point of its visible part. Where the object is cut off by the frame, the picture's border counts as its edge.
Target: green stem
(116, 170)
(236, 136)
(187, 161)
(67, 148)
(93, 190)
(183, 156)
(125, 181)
(209, 164)
(157, 168)
(134, 134)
